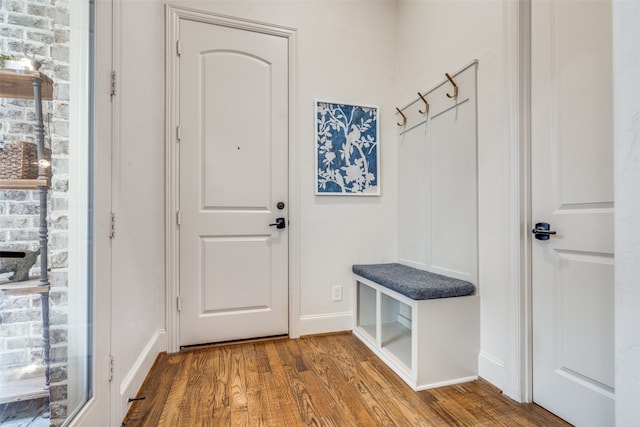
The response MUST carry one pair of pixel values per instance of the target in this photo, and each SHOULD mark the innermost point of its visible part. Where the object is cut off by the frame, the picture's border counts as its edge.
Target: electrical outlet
(336, 293)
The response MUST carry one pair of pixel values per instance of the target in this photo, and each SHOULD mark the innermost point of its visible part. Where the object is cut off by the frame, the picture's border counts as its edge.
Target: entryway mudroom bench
(424, 326)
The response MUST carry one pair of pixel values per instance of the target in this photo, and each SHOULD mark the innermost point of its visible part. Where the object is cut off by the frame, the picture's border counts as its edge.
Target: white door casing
(233, 170)
(572, 190)
(99, 409)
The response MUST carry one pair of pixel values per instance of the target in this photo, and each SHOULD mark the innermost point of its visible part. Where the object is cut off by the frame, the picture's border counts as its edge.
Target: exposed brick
(13, 222)
(60, 183)
(18, 343)
(20, 316)
(61, 53)
(35, 329)
(40, 37)
(58, 374)
(58, 354)
(39, 10)
(60, 223)
(14, 6)
(62, 110)
(13, 358)
(59, 279)
(23, 209)
(14, 330)
(61, 147)
(58, 260)
(58, 413)
(22, 235)
(58, 335)
(59, 241)
(29, 21)
(59, 203)
(18, 302)
(58, 297)
(14, 195)
(60, 128)
(58, 392)
(61, 35)
(7, 113)
(58, 316)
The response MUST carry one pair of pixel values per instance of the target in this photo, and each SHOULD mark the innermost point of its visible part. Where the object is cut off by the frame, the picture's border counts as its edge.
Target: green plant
(4, 58)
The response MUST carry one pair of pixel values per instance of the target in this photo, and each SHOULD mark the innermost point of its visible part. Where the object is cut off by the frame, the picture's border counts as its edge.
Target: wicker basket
(19, 160)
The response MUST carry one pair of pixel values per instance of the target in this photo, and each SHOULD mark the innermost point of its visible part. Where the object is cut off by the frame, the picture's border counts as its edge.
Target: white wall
(435, 37)
(138, 302)
(626, 63)
(344, 53)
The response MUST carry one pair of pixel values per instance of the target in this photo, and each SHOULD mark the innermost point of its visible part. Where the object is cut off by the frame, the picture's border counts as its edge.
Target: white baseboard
(491, 369)
(133, 380)
(324, 323)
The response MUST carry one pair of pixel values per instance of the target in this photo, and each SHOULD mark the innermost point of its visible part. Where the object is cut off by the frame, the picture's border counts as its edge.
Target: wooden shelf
(22, 390)
(17, 84)
(22, 184)
(23, 288)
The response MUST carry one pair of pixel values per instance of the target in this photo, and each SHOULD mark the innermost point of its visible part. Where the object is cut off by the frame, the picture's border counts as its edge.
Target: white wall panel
(437, 180)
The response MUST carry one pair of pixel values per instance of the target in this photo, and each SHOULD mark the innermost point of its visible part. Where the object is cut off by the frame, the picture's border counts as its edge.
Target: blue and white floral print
(347, 149)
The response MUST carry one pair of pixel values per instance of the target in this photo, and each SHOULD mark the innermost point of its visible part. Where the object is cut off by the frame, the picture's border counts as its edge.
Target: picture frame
(347, 152)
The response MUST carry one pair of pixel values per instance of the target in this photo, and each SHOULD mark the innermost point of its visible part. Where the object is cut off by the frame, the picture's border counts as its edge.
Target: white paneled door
(572, 195)
(233, 172)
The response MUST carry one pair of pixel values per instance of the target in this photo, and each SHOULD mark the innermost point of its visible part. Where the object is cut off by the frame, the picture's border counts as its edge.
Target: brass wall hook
(426, 104)
(404, 118)
(455, 87)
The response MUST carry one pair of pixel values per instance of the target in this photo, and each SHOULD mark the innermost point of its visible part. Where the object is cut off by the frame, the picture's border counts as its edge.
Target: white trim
(518, 373)
(171, 182)
(173, 14)
(324, 323)
(78, 322)
(97, 411)
(294, 194)
(135, 377)
(491, 369)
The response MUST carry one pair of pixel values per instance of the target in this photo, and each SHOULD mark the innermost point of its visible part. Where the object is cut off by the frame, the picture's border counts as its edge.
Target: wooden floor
(330, 380)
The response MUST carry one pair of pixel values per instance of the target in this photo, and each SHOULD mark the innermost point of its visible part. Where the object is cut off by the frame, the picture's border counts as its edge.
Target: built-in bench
(425, 326)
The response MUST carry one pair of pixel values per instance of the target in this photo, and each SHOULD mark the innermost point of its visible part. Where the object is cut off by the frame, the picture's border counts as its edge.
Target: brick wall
(38, 29)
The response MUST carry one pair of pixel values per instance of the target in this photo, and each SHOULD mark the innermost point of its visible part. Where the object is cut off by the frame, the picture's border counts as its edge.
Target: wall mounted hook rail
(404, 118)
(455, 87)
(426, 104)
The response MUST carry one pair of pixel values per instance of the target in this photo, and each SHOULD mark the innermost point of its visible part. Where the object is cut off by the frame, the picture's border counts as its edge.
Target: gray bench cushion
(413, 283)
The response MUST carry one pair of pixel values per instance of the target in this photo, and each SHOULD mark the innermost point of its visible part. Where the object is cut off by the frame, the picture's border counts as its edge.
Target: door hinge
(179, 303)
(114, 83)
(112, 233)
(178, 133)
(178, 48)
(178, 218)
(112, 364)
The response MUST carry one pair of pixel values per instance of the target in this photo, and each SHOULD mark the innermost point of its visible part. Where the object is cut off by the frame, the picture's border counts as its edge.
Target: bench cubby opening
(428, 343)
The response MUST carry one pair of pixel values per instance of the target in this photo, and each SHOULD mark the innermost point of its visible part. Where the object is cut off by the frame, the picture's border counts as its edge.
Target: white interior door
(233, 172)
(572, 191)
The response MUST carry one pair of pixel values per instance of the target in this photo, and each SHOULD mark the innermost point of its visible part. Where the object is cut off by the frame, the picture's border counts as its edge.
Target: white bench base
(428, 343)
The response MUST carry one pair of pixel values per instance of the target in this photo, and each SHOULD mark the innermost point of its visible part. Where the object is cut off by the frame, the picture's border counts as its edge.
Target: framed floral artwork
(347, 152)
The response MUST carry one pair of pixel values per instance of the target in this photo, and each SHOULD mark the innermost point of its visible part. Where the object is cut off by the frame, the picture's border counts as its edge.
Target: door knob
(542, 231)
(280, 223)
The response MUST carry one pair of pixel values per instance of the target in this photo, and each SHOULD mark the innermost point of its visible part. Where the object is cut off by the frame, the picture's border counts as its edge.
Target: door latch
(280, 223)
(542, 231)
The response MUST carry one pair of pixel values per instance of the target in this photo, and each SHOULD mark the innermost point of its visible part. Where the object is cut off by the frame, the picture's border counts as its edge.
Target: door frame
(100, 407)
(518, 383)
(173, 15)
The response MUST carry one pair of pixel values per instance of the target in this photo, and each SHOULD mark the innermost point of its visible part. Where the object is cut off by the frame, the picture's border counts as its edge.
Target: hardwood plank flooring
(327, 380)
